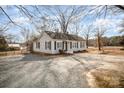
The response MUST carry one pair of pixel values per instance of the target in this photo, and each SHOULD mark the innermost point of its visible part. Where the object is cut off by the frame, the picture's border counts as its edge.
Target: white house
(14, 45)
(52, 42)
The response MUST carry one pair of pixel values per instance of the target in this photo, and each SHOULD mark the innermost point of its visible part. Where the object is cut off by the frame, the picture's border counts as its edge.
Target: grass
(106, 78)
(107, 50)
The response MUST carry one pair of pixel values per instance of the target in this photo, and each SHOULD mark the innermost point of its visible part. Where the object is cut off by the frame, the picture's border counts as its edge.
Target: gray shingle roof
(63, 36)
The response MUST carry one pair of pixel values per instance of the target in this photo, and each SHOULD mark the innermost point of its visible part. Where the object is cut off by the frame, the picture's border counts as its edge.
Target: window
(77, 44)
(48, 45)
(59, 44)
(38, 45)
(81, 44)
(73, 45)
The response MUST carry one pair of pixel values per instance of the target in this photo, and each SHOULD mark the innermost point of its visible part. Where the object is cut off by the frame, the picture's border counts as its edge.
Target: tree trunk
(87, 42)
(120, 7)
(99, 43)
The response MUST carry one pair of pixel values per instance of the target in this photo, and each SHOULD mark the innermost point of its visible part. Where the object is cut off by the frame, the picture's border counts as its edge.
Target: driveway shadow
(34, 57)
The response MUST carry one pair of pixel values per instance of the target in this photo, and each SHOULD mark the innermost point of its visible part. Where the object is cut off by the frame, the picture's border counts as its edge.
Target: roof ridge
(65, 36)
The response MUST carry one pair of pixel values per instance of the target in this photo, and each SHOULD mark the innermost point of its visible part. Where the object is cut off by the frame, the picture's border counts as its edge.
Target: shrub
(61, 51)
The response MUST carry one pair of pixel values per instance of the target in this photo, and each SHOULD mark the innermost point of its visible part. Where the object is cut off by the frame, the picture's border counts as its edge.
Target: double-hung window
(59, 44)
(77, 44)
(48, 45)
(81, 44)
(38, 45)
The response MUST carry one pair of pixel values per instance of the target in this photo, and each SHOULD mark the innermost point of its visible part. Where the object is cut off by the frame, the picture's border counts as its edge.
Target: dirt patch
(107, 78)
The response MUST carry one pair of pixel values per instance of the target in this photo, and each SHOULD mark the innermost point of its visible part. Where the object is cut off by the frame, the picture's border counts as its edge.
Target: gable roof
(63, 36)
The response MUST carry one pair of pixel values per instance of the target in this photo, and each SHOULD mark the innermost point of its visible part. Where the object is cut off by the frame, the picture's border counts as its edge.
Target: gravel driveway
(54, 71)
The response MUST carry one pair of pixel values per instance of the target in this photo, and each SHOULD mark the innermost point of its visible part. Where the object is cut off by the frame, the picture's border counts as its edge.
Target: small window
(77, 44)
(38, 45)
(81, 44)
(73, 45)
(48, 45)
(59, 44)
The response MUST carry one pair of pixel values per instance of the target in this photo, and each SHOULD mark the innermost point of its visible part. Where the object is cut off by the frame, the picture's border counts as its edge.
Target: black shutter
(39, 45)
(77, 44)
(70, 45)
(63, 45)
(54, 45)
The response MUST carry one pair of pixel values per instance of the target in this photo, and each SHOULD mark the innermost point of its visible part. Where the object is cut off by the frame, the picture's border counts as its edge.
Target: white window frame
(38, 45)
(47, 45)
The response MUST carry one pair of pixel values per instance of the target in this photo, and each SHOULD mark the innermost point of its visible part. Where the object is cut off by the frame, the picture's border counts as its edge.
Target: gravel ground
(54, 71)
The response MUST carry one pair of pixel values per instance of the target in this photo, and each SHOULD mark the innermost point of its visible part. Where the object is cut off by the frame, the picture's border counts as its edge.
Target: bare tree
(120, 7)
(99, 32)
(25, 34)
(3, 29)
(87, 32)
(121, 25)
(65, 15)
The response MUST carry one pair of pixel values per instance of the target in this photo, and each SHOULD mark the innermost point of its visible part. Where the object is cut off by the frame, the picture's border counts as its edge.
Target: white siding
(45, 38)
(42, 40)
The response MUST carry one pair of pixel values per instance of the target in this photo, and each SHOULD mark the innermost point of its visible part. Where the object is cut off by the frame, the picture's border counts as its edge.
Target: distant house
(14, 45)
(52, 42)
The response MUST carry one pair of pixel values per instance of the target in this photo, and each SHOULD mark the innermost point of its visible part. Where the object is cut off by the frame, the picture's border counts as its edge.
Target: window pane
(45, 45)
(38, 44)
(77, 44)
(50, 45)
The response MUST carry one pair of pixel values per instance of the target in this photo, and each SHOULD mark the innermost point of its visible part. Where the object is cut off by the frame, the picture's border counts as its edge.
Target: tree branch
(120, 7)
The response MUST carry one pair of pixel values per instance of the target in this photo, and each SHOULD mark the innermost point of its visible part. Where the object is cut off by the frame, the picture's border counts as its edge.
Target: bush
(61, 51)
(13, 48)
(3, 44)
(2, 48)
